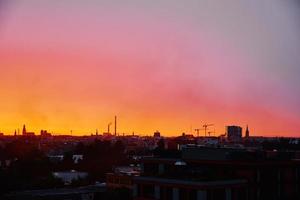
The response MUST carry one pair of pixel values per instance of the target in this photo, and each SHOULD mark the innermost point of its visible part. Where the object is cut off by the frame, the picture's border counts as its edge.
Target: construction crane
(205, 127)
(197, 130)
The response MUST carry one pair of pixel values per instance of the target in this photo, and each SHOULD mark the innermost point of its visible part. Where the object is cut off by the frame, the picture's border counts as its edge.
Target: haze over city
(158, 65)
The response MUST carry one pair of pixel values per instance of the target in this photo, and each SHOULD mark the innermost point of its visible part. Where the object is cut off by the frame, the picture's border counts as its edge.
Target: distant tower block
(234, 133)
(115, 125)
(247, 132)
(156, 134)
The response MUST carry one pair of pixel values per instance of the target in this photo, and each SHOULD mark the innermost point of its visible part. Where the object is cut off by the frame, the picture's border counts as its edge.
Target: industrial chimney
(115, 125)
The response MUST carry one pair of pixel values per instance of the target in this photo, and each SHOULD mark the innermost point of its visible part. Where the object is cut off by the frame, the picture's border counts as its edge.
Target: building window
(148, 191)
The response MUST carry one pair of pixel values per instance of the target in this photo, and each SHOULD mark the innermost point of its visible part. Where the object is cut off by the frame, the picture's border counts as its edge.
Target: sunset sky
(164, 65)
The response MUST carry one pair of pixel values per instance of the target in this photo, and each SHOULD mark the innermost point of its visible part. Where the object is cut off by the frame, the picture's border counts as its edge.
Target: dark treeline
(30, 167)
(99, 158)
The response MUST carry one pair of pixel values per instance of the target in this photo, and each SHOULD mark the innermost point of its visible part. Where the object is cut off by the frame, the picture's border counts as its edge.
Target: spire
(247, 132)
(24, 130)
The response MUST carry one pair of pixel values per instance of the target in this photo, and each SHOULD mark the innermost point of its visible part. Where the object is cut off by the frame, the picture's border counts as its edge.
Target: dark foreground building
(81, 193)
(202, 173)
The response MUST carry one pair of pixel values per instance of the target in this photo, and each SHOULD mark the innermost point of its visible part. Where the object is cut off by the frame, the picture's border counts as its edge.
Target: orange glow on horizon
(74, 66)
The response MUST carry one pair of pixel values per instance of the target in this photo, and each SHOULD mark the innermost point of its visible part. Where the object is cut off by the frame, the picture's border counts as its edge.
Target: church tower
(247, 132)
(24, 130)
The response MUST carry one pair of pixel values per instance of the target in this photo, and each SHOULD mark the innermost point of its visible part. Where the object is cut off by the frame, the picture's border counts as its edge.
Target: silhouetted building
(30, 134)
(24, 130)
(107, 134)
(156, 134)
(234, 133)
(80, 193)
(44, 133)
(25, 133)
(185, 139)
(68, 176)
(122, 177)
(247, 132)
(219, 173)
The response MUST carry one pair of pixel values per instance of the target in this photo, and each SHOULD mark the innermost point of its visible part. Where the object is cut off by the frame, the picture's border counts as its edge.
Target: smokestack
(115, 125)
(108, 127)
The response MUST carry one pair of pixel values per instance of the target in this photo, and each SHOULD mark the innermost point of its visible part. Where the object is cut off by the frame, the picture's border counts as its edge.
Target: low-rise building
(122, 177)
(219, 173)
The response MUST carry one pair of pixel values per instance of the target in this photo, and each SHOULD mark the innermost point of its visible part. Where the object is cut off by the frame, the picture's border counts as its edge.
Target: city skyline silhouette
(168, 66)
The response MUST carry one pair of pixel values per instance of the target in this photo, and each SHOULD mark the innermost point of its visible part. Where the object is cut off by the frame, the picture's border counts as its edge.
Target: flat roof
(58, 191)
(166, 181)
